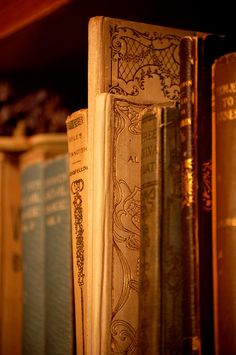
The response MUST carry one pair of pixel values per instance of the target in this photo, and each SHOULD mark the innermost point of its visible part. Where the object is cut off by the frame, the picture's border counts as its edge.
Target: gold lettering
(188, 182)
(227, 222)
(226, 89)
(227, 101)
(185, 122)
(186, 84)
(226, 115)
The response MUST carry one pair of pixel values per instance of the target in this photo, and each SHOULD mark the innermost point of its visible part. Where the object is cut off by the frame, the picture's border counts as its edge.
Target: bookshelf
(47, 41)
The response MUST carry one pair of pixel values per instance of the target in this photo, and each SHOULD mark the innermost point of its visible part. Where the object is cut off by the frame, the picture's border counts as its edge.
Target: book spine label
(224, 202)
(191, 321)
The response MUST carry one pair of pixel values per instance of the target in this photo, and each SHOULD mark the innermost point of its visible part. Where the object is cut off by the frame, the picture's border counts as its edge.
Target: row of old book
(117, 236)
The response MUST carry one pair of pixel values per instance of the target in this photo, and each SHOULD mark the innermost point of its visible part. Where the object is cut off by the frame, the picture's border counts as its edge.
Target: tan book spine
(132, 59)
(10, 257)
(224, 202)
(77, 133)
(116, 181)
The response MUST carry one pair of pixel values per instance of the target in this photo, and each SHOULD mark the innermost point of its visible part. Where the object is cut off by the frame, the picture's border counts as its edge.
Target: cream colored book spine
(133, 59)
(115, 180)
(77, 132)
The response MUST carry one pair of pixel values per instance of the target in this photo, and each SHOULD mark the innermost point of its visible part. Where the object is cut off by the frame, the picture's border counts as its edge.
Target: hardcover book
(133, 59)
(171, 233)
(161, 255)
(10, 254)
(115, 179)
(150, 288)
(223, 201)
(77, 135)
(204, 50)
(33, 237)
(136, 61)
(59, 302)
(188, 159)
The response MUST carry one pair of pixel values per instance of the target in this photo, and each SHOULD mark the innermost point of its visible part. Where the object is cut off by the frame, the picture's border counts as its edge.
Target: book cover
(150, 288)
(161, 256)
(32, 219)
(10, 255)
(115, 174)
(205, 50)
(223, 201)
(59, 299)
(133, 59)
(171, 235)
(33, 237)
(77, 135)
(208, 48)
(188, 159)
(136, 61)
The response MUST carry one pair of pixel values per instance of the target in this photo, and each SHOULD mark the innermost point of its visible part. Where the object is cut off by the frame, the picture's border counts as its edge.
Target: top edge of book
(103, 20)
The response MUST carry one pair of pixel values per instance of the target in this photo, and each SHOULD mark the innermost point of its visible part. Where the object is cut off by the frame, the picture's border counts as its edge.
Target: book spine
(33, 259)
(224, 203)
(191, 309)
(208, 49)
(150, 275)
(58, 258)
(171, 232)
(11, 257)
(77, 134)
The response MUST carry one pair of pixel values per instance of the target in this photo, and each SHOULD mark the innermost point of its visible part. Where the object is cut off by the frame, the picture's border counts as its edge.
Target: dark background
(50, 47)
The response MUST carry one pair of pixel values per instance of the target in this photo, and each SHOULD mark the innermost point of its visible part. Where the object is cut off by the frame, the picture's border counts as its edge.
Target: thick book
(77, 135)
(42, 147)
(223, 201)
(161, 277)
(133, 59)
(136, 61)
(10, 253)
(115, 178)
(204, 51)
(59, 298)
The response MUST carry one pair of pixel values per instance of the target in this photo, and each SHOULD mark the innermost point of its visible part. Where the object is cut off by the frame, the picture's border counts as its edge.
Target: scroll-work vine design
(137, 56)
(76, 187)
(125, 227)
(206, 192)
